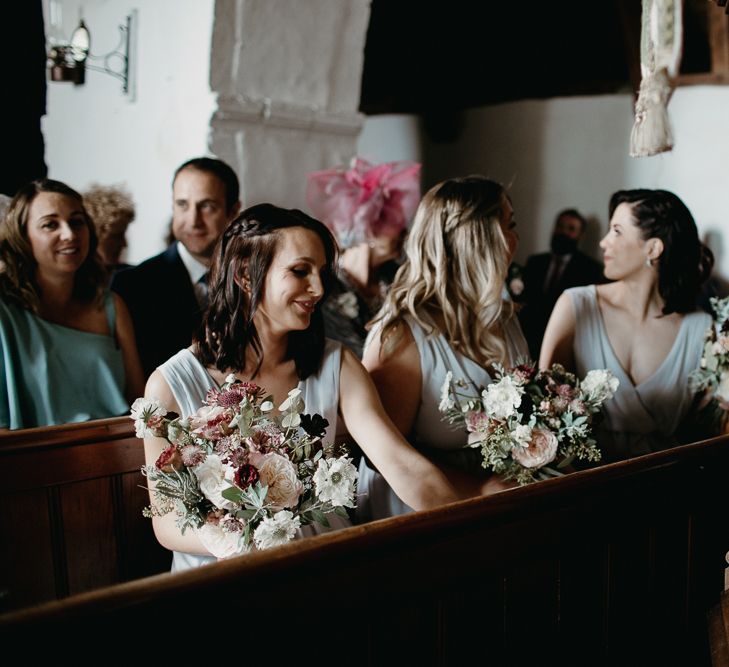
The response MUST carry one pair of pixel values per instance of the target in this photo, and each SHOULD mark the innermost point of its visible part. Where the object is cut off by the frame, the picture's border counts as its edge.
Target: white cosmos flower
(143, 409)
(279, 530)
(335, 481)
(502, 398)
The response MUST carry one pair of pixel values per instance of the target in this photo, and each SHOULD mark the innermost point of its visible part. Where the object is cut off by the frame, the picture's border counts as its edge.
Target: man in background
(547, 275)
(167, 294)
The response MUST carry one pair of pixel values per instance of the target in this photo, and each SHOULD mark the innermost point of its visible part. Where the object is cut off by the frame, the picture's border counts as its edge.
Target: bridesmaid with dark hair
(271, 270)
(644, 326)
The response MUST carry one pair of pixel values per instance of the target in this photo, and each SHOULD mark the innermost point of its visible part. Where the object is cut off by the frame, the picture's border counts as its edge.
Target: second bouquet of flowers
(241, 476)
(528, 419)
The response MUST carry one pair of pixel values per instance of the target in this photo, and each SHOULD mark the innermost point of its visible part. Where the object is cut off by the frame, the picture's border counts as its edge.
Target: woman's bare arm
(397, 377)
(559, 337)
(416, 480)
(133, 373)
(165, 527)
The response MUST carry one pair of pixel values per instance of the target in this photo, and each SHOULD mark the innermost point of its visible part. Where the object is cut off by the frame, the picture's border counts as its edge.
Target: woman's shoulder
(698, 321)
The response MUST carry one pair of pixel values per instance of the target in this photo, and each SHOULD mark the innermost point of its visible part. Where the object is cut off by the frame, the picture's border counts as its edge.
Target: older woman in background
(367, 208)
(66, 343)
(112, 210)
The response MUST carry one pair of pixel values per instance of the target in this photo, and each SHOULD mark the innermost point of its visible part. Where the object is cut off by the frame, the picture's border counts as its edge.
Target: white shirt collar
(195, 268)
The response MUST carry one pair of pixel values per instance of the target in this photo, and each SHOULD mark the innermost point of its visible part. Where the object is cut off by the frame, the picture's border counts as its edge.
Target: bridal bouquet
(240, 476)
(712, 375)
(528, 419)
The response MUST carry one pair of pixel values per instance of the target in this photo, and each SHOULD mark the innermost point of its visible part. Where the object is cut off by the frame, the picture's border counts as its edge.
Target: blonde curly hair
(457, 262)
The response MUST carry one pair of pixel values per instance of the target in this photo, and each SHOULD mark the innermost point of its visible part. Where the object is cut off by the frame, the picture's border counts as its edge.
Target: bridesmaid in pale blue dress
(269, 275)
(67, 348)
(644, 326)
(446, 311)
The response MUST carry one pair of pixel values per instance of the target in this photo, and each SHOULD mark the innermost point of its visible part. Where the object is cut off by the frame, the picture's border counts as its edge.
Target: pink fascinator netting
(364, 200)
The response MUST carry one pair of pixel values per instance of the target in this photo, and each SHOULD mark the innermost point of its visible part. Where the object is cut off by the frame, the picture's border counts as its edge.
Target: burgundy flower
(525, 372)
(237, 457)
(169, 460)
(266, 438)
(245, 476)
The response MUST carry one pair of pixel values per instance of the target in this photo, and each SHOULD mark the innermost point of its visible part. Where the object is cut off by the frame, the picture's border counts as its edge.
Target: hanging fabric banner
(661, 43)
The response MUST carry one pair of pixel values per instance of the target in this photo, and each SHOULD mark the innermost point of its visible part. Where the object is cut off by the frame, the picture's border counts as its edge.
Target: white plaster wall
(288, 76)
(574, 152)
(94, 133)
(390, 137)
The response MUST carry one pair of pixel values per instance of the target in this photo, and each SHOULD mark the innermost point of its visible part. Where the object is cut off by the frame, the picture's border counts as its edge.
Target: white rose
(722, 391)
(214, 477)
(219, 542)
(502, 398)
(279, 530)
(279, 475)
(522, 435)
(600, 385)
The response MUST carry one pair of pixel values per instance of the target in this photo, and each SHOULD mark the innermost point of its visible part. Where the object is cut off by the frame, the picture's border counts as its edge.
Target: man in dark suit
(547, 275)
(167, 294)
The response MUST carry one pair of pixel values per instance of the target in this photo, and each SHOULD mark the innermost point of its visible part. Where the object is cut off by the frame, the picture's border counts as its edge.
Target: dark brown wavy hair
(247, 248)
(17, 277)
(685, 263)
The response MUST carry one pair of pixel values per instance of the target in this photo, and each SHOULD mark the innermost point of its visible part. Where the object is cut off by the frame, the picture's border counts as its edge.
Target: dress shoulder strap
(188, 381)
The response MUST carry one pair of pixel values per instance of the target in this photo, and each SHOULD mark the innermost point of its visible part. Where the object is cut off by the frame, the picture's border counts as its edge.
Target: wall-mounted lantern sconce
(69, 61)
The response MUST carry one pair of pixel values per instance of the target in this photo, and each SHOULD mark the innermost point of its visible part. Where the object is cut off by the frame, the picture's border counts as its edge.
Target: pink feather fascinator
(364, 200)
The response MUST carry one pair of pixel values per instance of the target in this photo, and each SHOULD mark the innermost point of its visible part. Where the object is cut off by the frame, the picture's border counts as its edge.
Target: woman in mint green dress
(67, 350)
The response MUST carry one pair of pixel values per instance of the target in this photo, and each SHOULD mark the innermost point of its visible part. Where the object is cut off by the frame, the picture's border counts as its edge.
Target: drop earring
(648, 262)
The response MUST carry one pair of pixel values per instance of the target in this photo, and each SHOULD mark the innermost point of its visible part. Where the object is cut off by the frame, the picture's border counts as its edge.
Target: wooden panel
(68, 463)
(719, 632)
(443, 586)
(26, 551)
(140, 553)
(90, 534)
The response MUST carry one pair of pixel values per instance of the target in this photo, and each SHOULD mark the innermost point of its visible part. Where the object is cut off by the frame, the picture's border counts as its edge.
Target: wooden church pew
(615, 565)
(71, 511)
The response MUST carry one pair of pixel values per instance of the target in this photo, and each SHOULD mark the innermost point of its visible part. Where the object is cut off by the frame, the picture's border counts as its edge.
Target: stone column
(287, 74)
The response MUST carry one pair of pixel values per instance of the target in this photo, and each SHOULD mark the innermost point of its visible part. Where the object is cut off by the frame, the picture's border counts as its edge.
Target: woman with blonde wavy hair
(445, 312)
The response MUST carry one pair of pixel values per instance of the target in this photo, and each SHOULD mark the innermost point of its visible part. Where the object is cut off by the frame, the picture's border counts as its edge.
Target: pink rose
(169, 460)
(541, 450)
(279, 475)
